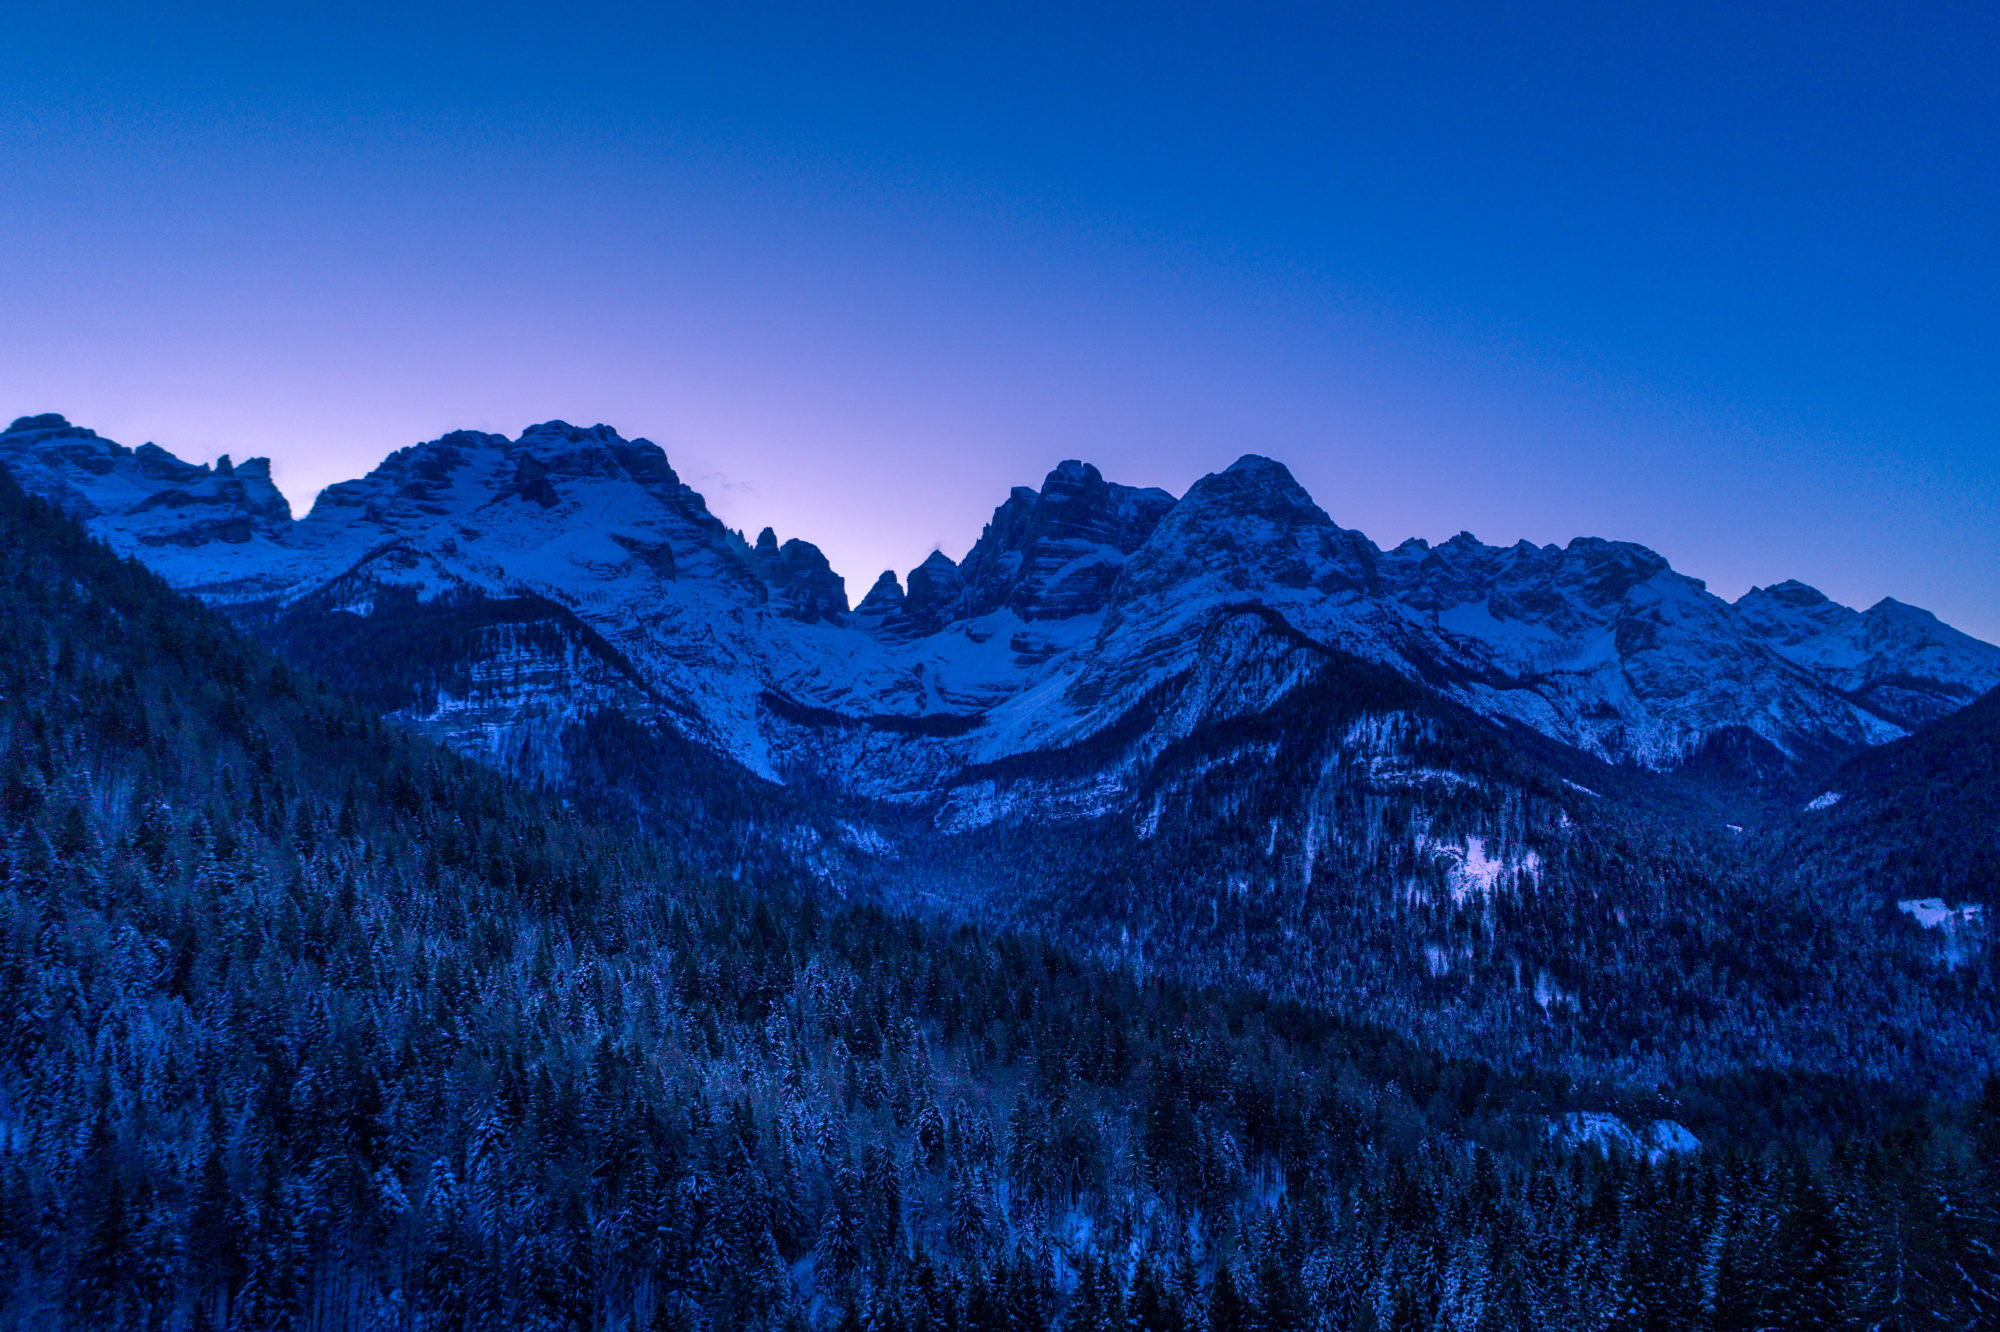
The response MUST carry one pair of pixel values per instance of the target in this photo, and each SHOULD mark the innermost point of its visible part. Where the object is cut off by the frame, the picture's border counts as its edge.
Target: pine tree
(842, 1242)
(969, 1226)
(1154, 1306)
(98, 1288)
(1276, 1298)
(1228, 1311)
(882, 1186)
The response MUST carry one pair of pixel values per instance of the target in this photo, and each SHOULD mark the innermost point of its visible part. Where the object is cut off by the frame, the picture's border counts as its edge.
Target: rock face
(1085, 610)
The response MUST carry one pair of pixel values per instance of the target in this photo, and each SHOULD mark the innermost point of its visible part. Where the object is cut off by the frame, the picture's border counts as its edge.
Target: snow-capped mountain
(1903, 662)
(146, 501)
(1085, 609)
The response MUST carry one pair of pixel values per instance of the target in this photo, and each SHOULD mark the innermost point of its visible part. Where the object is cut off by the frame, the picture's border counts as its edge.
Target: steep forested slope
(1920, 816)
(305, 1023)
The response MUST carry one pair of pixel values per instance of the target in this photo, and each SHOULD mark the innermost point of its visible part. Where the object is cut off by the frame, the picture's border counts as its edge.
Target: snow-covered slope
(1902, 661)
(1598, 644)
(203, 527)
(1602, 645)
(1084, 608)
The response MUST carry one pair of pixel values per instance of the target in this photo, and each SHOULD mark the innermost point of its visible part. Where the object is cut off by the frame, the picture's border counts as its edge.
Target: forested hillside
(308, 1024)
(1376, 852)
(1918, 817)
(1362, 845)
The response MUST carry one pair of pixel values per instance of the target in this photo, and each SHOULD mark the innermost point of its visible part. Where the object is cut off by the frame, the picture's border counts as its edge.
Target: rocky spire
(802, 584)
(936, 595)
(883, 603)
(1054, 553)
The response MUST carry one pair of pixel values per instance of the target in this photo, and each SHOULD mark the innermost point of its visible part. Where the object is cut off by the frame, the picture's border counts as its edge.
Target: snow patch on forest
(1391, 772)
(984, 803)
(1476, 872)
(864, 838)
(1550, 995)
(1933, 914)
(1608, 1133)
(1961, 929)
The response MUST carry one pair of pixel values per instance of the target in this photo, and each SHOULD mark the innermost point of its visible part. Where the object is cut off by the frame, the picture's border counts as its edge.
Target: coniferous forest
(306, 1023)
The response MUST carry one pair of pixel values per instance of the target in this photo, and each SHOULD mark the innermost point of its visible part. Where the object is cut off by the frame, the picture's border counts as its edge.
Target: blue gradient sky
(1723, 283)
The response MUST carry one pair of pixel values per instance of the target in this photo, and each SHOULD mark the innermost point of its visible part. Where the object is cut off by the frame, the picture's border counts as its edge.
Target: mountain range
(1180, 913)
(1508, 800)
(307, 1022)
(1079, 603)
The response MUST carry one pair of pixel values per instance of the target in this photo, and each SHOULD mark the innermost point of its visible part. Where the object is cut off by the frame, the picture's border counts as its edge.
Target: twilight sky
(1721, 279)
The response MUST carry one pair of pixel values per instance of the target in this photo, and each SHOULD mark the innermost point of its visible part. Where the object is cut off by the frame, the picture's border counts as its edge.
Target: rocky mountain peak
(1055, 553)
(159, 500)
(564, 433)
(1791, 611)
(1256, 467)
(1606, 571)
(884, 601)
(802, 584)
(1902, 662)
(1791, 592)
(1257, 487)
(935, 597)
(46, 421)
(1888, 608)
(1248, 528)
